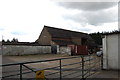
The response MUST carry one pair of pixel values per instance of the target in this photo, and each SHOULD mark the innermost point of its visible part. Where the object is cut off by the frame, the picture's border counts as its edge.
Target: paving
(106, 75)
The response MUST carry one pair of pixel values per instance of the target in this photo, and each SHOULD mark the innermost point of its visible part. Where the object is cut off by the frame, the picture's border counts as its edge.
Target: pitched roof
(62, 33)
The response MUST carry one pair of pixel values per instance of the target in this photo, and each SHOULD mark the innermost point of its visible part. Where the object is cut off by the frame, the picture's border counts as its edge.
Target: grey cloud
(88, 6)
(99, 18)
(94, 18)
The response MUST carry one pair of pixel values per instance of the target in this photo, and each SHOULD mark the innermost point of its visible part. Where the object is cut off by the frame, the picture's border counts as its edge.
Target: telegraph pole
(2, 45)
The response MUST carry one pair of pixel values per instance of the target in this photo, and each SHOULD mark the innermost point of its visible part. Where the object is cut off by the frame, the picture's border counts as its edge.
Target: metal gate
(75, 67)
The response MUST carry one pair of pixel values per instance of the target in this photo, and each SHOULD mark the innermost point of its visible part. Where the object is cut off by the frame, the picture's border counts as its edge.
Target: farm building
(111, 50)
(0, 47)
(61, 37)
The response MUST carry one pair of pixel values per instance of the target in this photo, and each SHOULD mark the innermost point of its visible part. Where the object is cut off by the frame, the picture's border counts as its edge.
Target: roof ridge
(64, 29)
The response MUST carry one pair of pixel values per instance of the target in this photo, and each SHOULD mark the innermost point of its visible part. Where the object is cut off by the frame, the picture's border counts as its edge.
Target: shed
(111, 50)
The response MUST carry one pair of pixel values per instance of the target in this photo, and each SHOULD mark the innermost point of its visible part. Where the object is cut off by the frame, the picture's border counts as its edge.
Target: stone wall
(65, 50)
(26, 50)
(23, 50)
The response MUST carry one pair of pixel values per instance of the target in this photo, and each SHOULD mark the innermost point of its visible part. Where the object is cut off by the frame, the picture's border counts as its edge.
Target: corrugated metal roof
(62, 33)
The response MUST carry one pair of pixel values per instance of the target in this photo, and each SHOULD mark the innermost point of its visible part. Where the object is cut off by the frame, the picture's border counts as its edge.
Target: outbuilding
(111, 50)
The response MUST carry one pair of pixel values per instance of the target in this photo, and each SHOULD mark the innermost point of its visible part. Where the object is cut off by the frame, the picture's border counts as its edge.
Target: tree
(97, 37)
(3, 40)
(14, 40)
(8, 40)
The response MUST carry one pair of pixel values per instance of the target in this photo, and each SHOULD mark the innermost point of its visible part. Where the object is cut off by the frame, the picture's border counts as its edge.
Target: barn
(62, 37)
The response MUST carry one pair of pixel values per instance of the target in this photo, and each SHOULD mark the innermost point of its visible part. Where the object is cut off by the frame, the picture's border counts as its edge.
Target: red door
(82, 50)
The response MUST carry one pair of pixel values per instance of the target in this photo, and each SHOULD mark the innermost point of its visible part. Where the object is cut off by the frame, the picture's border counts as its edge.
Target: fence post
(60, 71)
(89, 63)
(20, 71)
(83, 78)
(102, 61)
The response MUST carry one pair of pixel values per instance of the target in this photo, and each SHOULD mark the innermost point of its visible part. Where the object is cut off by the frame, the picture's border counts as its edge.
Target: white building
(111, 51)
(0, 47)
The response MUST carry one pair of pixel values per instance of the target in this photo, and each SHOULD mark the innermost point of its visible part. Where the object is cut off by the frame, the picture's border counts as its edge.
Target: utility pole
(2, 45)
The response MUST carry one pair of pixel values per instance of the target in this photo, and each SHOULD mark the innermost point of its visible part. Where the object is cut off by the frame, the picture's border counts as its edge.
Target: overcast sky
(24, 19)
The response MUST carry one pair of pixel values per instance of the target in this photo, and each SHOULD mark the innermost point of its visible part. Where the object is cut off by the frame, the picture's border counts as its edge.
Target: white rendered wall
(110, 52)
(119, 51)
(0, 60)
